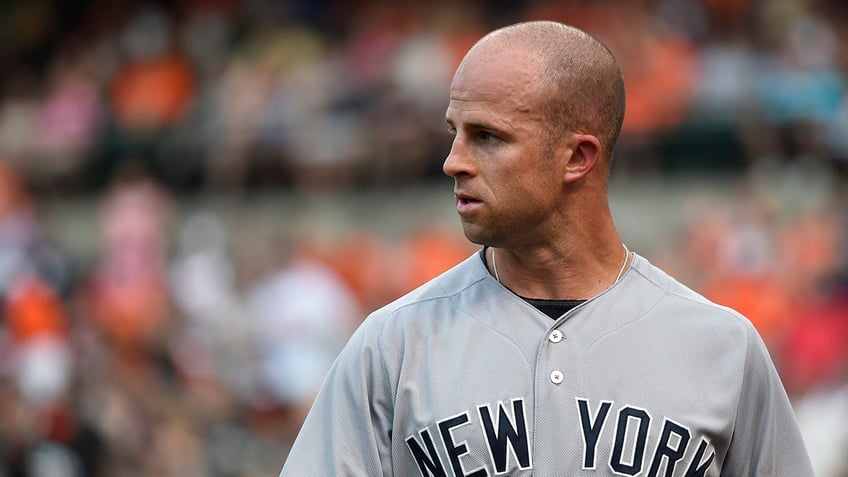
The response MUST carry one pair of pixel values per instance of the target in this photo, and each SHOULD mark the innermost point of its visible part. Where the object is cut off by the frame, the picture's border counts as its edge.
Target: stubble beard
(488, 234)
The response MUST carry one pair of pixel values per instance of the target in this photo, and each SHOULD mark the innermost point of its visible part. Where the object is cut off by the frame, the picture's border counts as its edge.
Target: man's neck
(577, 274)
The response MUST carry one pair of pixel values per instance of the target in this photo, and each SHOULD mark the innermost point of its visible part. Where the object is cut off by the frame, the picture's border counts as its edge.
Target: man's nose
(459, 161)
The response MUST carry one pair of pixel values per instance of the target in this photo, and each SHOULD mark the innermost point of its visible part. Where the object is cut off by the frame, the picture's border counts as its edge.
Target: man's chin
(475, 235)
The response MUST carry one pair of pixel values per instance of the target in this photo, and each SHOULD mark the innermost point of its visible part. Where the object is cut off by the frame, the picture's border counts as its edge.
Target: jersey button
(556, 377)
(555, 336)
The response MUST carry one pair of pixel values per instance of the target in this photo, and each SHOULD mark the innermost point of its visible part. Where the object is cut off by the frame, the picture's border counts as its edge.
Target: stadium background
(200, 199)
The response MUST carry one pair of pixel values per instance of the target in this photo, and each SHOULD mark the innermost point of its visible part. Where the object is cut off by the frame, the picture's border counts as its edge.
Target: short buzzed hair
(587, 87)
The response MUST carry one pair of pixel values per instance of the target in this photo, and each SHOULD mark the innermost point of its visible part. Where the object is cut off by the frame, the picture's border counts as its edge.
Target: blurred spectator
(37, 363)
(814, 356)
(19, 105)
(658, 68)
(18, 229)
(70, 120)
(202, 272)
(127, 297)
(39, 347)
(150, 94)
(155, 86)
(821, 416)
(744, 270)
(800, 81)
(301, 314)
(211, 342)
(725, 84)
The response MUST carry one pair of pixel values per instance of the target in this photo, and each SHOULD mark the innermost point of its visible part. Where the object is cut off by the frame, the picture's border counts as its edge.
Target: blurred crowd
(220, 94)
(178, 351)
(175, 351)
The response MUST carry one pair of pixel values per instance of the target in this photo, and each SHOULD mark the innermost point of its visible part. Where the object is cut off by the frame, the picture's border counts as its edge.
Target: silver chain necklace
(617, 278)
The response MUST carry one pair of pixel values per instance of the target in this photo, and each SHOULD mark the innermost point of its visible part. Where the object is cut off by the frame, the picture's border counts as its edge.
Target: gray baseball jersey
(464, 378)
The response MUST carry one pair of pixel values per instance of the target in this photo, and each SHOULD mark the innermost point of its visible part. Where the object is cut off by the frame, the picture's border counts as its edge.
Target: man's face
(508, 180)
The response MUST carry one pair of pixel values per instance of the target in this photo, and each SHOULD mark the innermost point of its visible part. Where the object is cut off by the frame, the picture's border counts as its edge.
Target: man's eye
(486, 136)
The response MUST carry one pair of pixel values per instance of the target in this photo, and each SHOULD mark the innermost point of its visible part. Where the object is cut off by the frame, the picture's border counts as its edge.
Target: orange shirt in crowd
(153, 93)
(33, 310)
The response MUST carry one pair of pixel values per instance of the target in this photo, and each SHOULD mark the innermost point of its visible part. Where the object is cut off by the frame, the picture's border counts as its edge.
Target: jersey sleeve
(347, 430)
(766, 439)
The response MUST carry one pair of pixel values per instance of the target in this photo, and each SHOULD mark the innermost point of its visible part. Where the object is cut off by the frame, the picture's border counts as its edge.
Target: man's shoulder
(440, 303)
(680, 301)
(449, 285)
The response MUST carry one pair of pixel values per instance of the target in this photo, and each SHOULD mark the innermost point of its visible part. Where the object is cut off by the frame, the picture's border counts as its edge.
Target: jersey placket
(556, 388)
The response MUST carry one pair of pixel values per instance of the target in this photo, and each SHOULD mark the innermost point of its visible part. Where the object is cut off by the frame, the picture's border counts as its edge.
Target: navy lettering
(698, 468)
(666, 451)
(591, 429)
(428, 462)
(457, 450)
(504, 434)
(616, 459)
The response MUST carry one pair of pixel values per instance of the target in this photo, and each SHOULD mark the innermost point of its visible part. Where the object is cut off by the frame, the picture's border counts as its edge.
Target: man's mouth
(465, 198)
(466, 203)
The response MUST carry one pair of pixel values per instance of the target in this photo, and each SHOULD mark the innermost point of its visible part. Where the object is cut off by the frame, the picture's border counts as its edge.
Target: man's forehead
(497, 84)
(497, 57)
(462, 111)
(471, 106)
(506, 113)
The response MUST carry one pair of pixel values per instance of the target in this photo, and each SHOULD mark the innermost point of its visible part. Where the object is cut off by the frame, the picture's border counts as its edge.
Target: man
(554, 351)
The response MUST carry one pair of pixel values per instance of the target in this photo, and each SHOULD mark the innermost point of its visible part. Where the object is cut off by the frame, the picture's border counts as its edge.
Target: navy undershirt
(552, 308)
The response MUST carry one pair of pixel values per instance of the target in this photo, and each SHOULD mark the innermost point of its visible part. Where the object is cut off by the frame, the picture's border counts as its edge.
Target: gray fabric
(655, 380)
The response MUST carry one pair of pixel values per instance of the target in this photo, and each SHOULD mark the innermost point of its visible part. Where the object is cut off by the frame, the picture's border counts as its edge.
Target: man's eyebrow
(477, 125)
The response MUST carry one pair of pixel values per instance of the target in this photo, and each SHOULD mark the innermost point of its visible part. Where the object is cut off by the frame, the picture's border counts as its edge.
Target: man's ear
(585, 153)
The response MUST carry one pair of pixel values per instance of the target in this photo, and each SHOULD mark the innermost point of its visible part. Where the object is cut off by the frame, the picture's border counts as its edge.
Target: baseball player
(554, 350)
